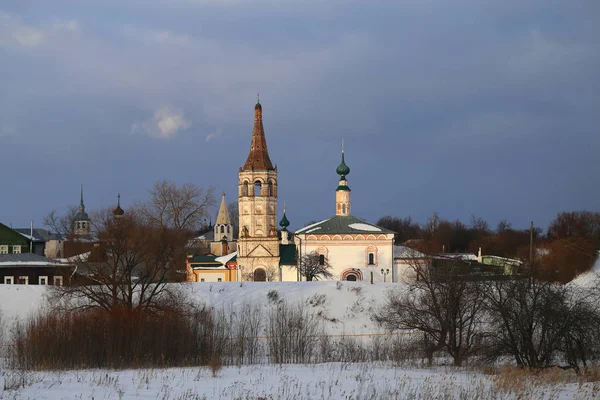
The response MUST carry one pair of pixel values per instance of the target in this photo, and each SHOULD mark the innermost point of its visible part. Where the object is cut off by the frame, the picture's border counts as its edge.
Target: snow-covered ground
(589, 278)
(321, 381)
(345, 309)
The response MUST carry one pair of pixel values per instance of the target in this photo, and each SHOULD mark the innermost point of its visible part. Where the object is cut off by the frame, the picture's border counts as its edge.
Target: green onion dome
(342, 169)
(284, 223)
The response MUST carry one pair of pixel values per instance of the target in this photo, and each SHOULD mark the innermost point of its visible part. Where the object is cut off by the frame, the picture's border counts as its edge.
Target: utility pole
(531, 249)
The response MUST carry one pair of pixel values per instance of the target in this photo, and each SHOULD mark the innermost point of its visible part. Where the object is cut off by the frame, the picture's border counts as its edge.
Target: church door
(260, 275)
(351, 277)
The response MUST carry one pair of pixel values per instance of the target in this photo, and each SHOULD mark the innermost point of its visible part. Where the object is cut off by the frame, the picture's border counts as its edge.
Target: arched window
(79, 225)
(257, 188)
(222, 229)
(321, 259)
(371, 258)
(245, 189)
(344, 208)
(351, 277)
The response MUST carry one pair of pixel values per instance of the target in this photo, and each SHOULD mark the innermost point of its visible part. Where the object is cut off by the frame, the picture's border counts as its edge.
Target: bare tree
(61, 224)
(432, 224)
(127, 271)
(314, 267)
(479, 227)
(444, 306)
(539, 323)
(503, 226)
(272, 274)
(177, 207)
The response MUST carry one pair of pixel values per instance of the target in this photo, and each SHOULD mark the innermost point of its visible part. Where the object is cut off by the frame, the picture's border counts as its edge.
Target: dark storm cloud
(486, 108)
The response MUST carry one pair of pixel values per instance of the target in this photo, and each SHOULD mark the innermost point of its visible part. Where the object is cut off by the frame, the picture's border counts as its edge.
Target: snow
(29, 237)
(79, 257)
(29, 263)
(407, 252)
(364, 227)
(346, 308)
(225, 259)
(313, 229)
(312, 225)
(350, 306)
(590, 278)
(18, 301)
(288, 381)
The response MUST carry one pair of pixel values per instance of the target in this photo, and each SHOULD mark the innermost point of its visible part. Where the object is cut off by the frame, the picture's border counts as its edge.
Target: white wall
(289, 274)
(347, 254)
(211, 276)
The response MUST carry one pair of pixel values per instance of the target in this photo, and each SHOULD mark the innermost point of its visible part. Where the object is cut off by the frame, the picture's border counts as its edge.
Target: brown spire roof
(258, 158)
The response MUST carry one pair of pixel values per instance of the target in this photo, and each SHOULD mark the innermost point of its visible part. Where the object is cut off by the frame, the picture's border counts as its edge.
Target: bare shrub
(273, 296)
(317, 299)
(215, 366)
(292, 333)
(176, 335)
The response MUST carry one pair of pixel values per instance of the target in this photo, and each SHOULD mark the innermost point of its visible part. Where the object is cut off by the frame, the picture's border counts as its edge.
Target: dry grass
(516, 380)
(215, 366)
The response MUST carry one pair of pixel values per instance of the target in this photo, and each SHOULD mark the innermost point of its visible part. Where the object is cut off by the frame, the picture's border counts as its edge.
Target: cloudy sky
(466, 107)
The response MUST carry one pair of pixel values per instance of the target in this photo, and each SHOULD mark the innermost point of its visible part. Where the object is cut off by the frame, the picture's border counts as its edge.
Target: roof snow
(364, 227)
(407, 252)
(225, 259)
(312, 225)
(313, 229)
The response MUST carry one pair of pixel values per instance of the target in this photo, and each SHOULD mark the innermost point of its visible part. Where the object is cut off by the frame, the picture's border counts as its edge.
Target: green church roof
(343, 224)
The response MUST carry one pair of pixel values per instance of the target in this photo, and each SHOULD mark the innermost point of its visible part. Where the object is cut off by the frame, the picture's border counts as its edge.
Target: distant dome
(284, 223)
(118, 212)
(81, 216)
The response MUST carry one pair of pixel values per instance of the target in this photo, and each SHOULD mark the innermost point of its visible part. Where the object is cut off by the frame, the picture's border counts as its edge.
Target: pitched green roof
(207, 265)
(287, 254)
(203, 259)
(343, 224)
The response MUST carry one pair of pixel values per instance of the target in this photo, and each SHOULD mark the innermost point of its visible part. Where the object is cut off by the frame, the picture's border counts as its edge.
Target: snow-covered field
(345, 309)
(320, 381)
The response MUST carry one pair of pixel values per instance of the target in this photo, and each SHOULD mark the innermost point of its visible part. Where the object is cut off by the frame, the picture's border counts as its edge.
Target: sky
(462, 108)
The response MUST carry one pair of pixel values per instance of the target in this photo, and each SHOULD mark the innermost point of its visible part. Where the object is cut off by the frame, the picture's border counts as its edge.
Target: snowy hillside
(344, 307)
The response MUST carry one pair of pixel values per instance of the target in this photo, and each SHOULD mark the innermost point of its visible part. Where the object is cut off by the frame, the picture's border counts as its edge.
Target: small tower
(342, 193)
(81, 222)
(118, 212)
(284, 223)
(223, 229)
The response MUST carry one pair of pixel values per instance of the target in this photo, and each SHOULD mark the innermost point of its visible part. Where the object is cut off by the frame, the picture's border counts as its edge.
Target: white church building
(354, 249)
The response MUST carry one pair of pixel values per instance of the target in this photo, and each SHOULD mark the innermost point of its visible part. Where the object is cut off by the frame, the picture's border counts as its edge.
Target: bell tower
(81, 221)
(258, 244)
